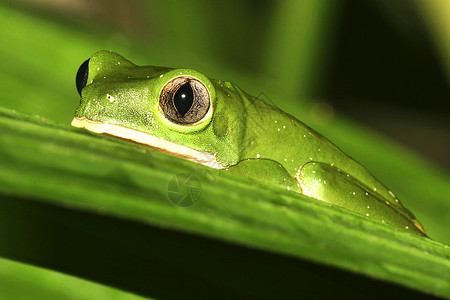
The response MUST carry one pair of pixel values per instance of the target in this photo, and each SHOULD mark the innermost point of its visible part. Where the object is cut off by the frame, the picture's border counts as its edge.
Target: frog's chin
(149, 140)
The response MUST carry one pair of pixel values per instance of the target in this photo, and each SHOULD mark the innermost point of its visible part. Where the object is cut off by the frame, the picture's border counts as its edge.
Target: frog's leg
(368, 180)
(268, 171)
(327, 183)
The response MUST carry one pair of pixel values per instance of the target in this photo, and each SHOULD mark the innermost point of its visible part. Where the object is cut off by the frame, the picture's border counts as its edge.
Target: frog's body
(225, 128)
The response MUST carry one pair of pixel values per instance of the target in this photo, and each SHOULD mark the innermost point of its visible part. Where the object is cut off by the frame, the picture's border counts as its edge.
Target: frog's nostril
(82, 76)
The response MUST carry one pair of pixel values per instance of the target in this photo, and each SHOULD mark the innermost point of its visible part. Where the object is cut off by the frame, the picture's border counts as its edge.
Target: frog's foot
(329, 184)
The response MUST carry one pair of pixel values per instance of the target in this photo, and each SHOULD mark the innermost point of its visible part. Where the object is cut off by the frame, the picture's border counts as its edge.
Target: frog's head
(168, 109)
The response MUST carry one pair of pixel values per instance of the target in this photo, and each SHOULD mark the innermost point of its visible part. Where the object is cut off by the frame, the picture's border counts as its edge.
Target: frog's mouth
(149, 140)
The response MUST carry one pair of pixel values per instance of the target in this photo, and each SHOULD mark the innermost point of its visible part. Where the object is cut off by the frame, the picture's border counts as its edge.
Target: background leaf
(79, 201)
(22, 281)
(98, 208)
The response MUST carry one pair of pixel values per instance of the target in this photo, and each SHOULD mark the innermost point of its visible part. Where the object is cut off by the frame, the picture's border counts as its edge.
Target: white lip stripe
(200, 157)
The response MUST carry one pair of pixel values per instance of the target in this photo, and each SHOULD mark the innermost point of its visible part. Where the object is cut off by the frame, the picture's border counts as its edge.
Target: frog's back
(294, 144)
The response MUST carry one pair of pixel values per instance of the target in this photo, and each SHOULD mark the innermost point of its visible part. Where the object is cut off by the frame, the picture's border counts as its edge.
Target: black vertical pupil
(184, 98)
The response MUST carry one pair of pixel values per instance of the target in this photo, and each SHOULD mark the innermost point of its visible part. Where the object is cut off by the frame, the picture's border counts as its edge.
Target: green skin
(244, 135)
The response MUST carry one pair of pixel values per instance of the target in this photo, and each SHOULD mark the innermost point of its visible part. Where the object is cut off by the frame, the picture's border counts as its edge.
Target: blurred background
(372, 75)
(384, 64)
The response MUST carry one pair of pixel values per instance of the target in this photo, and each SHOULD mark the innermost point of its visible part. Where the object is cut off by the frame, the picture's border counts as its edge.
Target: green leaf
(20, 281)
(103, 209)
(99, 208)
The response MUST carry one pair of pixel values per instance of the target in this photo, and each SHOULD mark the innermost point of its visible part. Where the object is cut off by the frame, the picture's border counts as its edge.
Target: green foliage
(47, 169)
(23, 282)
(99, 208)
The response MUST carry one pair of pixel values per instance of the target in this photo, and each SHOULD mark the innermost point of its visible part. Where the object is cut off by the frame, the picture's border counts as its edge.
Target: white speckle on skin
(304, 135)
(374, 189)
(406, 227)
(387, 202)
(368, 206)
(367, 194)
(278, 129)
(310, 158)
(148, 76)
(320, 198)
(288, 188)
(284, 127)
(313, 172)
(132, 124)
(161, 76)
(98, 68)
(367, 214)
(110, 98)
(257, 155)
(118, 62)
(285, 159)
(354, 193)
(276, 121)
(392, 194)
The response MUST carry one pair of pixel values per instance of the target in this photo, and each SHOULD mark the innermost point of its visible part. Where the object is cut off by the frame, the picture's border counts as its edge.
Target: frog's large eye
(184, 100)
(82, 76)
